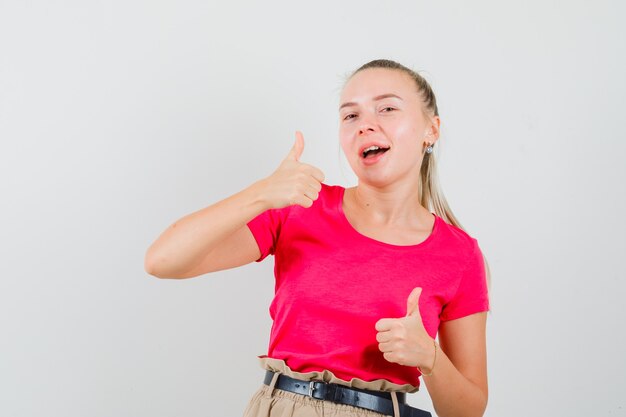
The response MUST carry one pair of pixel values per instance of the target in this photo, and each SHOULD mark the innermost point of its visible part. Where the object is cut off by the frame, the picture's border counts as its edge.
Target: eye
(384, 108)
(348, 116)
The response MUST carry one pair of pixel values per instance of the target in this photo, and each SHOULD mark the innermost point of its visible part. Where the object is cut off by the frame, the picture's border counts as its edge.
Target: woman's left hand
(405, 340)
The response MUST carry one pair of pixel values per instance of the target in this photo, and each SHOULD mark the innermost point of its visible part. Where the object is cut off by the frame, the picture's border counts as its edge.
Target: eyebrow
(380, 97)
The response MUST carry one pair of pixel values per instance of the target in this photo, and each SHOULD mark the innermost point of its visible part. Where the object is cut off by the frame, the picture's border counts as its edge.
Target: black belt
(379, 401)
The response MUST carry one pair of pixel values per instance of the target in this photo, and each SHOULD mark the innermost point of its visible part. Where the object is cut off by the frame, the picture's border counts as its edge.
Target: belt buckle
(311, 388)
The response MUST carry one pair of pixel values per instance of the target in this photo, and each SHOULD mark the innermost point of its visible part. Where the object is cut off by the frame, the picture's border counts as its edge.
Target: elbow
(480, 412)
(476, 408)
(149, 265)
(158, 267)
(483, 397)
(485, 401)
(153, 265)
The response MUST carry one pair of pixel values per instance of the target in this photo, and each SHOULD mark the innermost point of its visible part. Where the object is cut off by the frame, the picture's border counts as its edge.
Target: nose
(367, 123)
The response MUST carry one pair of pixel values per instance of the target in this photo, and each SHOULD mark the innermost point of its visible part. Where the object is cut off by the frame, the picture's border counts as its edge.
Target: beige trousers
(269, 401)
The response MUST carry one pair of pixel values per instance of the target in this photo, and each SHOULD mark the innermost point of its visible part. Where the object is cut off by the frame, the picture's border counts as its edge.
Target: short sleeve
(472, 294)
(266, 229)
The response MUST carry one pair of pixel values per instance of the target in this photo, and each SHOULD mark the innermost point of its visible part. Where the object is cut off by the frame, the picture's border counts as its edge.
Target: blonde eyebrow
(380, 97)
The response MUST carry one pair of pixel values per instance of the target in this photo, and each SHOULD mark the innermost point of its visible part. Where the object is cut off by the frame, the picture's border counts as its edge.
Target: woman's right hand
(216, 237)
(293, 182)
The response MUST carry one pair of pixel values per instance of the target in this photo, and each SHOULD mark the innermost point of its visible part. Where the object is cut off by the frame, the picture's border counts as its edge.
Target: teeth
(371, 148)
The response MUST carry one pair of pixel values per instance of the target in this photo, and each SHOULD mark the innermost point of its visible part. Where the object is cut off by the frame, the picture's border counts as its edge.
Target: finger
(311, 194)
(385, 347)
(382, 337)
(314, 172)
(412, 303)
(297, 148)
(390, 357)
(318, 174)
(384, 325)
(305, 196)
(302, 200)
(313, 187)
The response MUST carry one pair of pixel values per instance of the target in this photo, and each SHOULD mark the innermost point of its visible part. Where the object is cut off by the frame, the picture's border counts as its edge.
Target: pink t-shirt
(333, 284)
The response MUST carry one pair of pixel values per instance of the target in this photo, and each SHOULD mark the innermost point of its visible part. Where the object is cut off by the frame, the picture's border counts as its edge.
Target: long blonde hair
(430, 193)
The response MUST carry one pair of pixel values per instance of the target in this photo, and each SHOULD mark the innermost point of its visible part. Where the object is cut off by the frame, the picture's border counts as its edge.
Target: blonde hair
(430, 193)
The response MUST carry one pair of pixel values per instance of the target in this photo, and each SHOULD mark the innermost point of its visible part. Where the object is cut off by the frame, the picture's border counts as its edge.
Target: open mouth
(372, 151)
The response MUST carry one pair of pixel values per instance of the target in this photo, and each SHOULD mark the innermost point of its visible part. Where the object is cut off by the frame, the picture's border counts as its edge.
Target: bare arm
(210, 239)
(458, 385)
(456, 374)
(217, 237)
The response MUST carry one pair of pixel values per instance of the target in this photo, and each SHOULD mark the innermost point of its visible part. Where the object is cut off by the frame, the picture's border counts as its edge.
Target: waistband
(379, 401)
(280, 366)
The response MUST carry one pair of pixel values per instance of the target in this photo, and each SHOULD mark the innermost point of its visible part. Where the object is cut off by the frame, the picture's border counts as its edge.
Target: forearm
(452, 394)
(185, 243)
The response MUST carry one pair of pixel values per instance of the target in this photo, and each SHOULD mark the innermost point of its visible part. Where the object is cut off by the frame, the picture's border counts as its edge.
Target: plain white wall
(119, 117)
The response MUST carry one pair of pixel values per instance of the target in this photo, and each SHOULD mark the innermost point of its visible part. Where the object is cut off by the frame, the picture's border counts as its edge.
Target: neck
(392, 204)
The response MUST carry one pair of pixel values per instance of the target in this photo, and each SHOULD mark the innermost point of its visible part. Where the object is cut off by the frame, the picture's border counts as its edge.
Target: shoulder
(457, 239)
(330, 196)
(331, 191)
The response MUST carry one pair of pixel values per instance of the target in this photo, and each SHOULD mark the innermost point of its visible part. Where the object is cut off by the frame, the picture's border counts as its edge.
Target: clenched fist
(293, 182)
(405, 340)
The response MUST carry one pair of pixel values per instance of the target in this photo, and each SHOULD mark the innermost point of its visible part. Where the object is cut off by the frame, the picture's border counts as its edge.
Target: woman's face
(381, 107)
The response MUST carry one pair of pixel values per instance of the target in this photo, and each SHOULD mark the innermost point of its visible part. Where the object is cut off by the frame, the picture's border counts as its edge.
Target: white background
(119, 117)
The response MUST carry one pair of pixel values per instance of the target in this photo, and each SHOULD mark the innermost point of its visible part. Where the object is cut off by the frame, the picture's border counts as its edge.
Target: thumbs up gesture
(293, 182)
(405, 340)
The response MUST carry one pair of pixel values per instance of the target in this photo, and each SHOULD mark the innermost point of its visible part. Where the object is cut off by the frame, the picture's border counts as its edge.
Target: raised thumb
(412, 303)
(297, 148)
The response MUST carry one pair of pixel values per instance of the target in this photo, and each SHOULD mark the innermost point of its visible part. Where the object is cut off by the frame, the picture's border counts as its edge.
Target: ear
(431, 134)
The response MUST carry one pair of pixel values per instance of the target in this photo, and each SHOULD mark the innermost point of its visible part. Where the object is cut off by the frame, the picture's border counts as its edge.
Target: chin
(384, 179)
(377, 181)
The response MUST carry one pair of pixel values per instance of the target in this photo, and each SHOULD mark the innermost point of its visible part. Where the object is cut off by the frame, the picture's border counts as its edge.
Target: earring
(429, 149)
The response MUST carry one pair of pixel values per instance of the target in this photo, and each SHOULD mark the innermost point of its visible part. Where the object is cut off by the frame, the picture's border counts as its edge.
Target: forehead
(371, 82)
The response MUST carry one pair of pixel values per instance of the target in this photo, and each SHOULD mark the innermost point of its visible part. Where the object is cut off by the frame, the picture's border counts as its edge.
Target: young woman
(366, 277)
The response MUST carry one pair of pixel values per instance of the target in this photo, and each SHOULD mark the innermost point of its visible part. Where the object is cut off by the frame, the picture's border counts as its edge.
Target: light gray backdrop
(119, 117)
